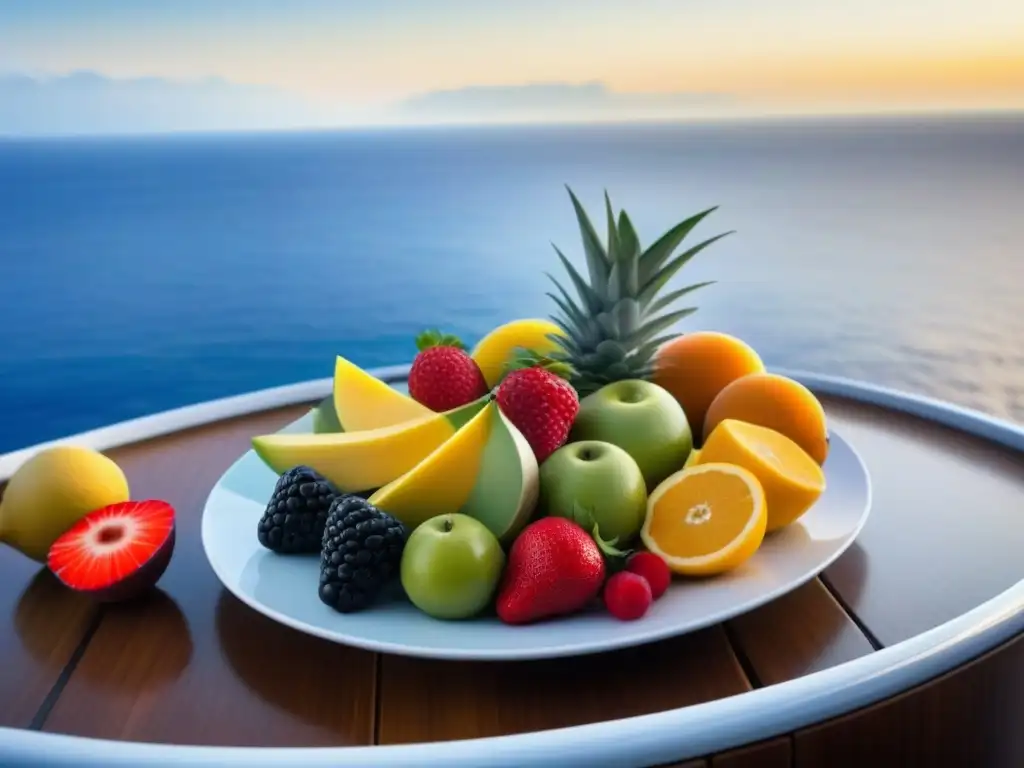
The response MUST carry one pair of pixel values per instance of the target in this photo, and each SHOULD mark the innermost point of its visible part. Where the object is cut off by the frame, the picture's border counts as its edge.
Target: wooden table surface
(194, 665)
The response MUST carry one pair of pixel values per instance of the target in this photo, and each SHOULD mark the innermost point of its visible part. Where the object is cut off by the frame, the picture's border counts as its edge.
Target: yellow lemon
(495, 349)
(51, 491)
(791, 479)
(705, 520)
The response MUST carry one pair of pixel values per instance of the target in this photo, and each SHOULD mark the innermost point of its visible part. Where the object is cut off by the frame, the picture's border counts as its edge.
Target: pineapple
(621, 318)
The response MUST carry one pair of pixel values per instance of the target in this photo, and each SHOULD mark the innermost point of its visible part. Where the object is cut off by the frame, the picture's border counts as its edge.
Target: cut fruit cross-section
(791, 479)
(706, 520)
(116, 552)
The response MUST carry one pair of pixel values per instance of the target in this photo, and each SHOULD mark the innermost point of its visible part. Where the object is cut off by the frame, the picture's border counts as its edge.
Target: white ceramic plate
(284, 588)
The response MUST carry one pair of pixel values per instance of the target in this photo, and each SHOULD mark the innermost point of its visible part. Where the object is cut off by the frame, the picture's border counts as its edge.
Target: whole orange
(776, 402)
(697, 366)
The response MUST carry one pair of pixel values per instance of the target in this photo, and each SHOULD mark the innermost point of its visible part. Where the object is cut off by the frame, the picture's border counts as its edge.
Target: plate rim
(529, 653)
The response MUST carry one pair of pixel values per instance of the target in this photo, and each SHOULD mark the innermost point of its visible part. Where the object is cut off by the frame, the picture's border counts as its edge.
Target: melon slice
(507, 486)
(487, 471)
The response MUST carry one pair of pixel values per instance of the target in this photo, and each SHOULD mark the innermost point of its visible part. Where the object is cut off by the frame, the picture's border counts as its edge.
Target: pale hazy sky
(804, 54)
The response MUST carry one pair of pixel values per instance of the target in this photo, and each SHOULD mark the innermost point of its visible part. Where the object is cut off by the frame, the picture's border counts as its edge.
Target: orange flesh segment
(780, 454)
(702, 514)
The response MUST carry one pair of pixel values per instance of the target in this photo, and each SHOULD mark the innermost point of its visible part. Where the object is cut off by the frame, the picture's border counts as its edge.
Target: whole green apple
(641, 418)
(600, 480)
(451, 566)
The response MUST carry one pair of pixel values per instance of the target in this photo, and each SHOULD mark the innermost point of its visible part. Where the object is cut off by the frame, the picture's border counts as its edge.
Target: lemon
(495, 349)
(791, 479)
(51, 491)
(705, 520)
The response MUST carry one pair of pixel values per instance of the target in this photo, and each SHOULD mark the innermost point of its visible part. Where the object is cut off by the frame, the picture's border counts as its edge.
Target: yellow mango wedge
(362, 401)
(443, 481)
(367, 459)
(486, 471)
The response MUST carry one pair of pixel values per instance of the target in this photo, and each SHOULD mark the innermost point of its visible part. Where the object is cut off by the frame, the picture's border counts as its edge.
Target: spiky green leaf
(608, 325)
(648, 349)
(629, 243)
(653, 327)
(575, 313)
(434, 338)
(597, 258)
(613, 233)
(661, 278)
(669, 298)
(627, 312)
(652, 259)
(590, 298)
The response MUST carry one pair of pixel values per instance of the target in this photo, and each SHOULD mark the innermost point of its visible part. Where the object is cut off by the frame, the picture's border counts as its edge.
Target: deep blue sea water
(139, 274)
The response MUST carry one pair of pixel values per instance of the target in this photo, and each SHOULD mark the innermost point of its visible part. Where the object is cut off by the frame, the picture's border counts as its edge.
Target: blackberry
(294, 520)
(362, 551)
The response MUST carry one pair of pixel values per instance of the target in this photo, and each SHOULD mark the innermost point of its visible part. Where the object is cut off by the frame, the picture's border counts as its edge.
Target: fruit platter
(571, 484)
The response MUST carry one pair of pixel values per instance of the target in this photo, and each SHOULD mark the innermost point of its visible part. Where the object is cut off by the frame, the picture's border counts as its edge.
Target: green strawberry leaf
(434, 338)
(614, 557)
(608, 548)
(527, 358)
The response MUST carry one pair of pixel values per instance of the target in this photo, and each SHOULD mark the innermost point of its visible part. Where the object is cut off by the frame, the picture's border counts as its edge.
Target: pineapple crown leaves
(620, 270)
(434, 338)
(618, 318)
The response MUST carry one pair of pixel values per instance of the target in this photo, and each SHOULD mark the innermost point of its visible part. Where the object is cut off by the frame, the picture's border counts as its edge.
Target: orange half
(706, 520)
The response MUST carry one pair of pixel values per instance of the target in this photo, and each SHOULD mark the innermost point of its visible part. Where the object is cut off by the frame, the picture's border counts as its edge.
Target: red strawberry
(542, 405)
(554, 568)
(116, 552)
(443, 376)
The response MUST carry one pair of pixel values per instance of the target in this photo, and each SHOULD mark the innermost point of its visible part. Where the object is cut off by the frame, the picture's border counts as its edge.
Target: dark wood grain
(970, 717)
(775, 753)
(687, 764)
(438, 701)
(798, 634)
(946, 528)
(41, 625)
(190, 664)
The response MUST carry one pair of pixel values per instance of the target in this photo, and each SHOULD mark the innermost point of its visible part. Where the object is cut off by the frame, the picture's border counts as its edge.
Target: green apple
(599, 480)
(641, 418)
(451, 566)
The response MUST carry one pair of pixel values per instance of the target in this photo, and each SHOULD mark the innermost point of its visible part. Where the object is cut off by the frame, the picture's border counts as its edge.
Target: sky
(325, 62)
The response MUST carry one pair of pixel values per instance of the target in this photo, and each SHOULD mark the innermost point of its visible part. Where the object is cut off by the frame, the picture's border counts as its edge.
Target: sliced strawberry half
(116, 552)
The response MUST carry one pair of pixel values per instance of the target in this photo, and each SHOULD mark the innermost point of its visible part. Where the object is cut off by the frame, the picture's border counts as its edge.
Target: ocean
(140, 274)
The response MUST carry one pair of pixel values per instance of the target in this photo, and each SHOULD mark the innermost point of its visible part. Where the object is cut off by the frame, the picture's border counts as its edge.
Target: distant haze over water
(140, 274)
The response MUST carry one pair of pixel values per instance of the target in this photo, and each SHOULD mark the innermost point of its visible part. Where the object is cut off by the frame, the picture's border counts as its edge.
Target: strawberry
(115, 552)
(443, 376)
(554, 568)
(542, 405)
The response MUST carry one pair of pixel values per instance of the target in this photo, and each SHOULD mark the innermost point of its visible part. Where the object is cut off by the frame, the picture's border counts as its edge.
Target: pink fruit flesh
(116, 552)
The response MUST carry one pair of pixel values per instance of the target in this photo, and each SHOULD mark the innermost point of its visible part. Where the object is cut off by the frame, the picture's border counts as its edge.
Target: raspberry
(652, 568)
(627, 596)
